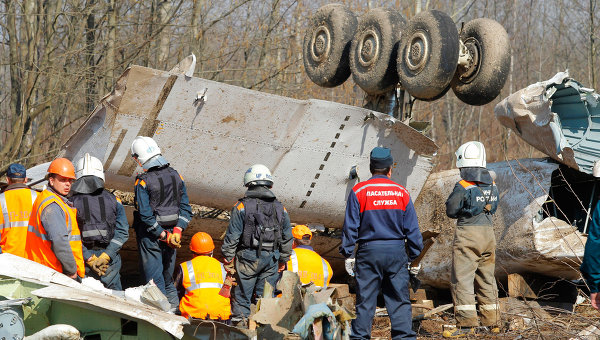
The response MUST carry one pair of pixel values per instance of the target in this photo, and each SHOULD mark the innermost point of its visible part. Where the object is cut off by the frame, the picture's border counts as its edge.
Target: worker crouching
(473, 202)
(199, 282)
(305, 262)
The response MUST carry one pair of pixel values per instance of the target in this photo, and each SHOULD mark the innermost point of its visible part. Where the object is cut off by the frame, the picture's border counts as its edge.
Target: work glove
(175, 238)
(229, 266)
(103, 269)
(91, 260)
(350, 264)
(101, 264)
(414, 270)
(165, 236)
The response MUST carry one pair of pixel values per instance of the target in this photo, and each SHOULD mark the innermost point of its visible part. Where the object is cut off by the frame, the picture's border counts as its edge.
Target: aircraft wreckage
(318, 150)
(205, 127)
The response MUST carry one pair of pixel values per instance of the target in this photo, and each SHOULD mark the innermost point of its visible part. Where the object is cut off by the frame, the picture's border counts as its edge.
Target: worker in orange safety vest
(53, 236)
(15, 203)
(305, 262)
(199, 281)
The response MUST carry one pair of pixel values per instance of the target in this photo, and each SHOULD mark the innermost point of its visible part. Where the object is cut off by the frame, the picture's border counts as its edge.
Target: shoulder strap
(86, 209)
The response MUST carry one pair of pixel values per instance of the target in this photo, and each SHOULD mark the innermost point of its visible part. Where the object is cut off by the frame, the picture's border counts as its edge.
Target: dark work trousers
(382, 265)
(158, 263)
(251, 273)
(112, 278)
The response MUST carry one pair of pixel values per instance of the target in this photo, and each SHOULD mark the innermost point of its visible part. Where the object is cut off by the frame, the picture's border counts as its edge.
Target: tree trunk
(110, 45)
(90, 37)
(164, 8)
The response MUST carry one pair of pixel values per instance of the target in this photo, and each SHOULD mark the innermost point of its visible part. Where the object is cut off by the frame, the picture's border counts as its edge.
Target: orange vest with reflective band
(16, 207)
(310, 266)
(203, 278)
(39, 248)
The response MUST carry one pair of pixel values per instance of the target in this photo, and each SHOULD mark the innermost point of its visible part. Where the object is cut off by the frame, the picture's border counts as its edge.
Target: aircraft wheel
(428, 54)
(374, 48)
(327, 45)
(480, 80)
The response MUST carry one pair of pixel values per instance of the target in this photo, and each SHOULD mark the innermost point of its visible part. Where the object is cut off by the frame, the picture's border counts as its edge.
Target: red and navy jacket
(380, 209)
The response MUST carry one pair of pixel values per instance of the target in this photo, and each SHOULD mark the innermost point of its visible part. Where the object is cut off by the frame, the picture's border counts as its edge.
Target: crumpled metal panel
(559, 117)
(212, 132)
(60, 287)
(525, 242)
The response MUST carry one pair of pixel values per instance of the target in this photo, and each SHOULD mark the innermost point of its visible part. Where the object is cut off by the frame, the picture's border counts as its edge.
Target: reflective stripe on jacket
(203, 278)
(39, 247)
(310, 266)
(16, 207)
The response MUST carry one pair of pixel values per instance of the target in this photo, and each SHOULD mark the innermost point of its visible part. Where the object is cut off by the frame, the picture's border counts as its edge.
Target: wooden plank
(518, 287)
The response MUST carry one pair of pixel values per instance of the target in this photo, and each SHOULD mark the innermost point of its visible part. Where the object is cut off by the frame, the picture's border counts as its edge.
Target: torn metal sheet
(559, 117)
(59, 287)
(212, 132)
(526, 242)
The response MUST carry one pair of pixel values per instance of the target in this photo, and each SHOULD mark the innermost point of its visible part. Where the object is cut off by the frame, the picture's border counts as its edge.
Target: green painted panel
(34, 314)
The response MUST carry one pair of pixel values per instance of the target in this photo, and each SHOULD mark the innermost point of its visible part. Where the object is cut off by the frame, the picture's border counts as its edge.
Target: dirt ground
(556, 326)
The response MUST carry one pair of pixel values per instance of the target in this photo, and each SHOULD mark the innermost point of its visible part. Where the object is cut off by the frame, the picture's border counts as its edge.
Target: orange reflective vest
(203, 278)
(310, 266)
(16, 207)
(39, 248)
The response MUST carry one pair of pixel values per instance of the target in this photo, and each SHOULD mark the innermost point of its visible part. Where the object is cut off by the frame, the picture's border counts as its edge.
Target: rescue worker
(259, 237)
(102, 221)
(16, 202)
(590, 267)
(381, 221)
(53, 237)
(473, 202)
(162, 212)
(199, 282)
(305, 262)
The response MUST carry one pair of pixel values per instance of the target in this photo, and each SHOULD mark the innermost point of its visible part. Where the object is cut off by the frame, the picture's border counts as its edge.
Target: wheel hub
(368, 48)
(417, 52)
(469, 70)
(321, 44)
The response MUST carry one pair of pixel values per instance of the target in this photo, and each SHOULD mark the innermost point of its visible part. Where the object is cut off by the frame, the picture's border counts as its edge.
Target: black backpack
(262, 224)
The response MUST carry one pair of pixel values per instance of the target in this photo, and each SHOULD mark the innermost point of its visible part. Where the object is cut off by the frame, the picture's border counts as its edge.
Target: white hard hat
(258, 174)
(89, 166)
(471, 154)
(143, 148)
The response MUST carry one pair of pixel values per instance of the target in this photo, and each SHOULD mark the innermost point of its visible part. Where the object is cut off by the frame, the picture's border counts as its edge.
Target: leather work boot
(459, 332)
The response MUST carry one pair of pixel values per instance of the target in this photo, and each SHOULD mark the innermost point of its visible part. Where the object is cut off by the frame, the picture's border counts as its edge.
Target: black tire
(374, 48)
(443, 93)
(483, 78)
(327, 45)
(428, 54)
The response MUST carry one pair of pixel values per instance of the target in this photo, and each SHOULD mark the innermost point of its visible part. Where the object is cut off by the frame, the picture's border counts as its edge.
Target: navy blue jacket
(467, 201)
(379, 209)
(233, 235)
(142, 204)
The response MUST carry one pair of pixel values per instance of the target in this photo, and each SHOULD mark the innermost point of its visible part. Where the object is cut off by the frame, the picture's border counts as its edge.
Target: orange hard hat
(201, 243)
(300, 230)
(63, 167)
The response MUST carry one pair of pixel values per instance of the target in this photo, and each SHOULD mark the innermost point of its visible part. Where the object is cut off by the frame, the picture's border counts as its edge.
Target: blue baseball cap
(16, 170)
(381, 158)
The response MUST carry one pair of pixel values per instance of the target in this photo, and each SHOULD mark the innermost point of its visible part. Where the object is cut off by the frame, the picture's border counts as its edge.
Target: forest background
(58, 58)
